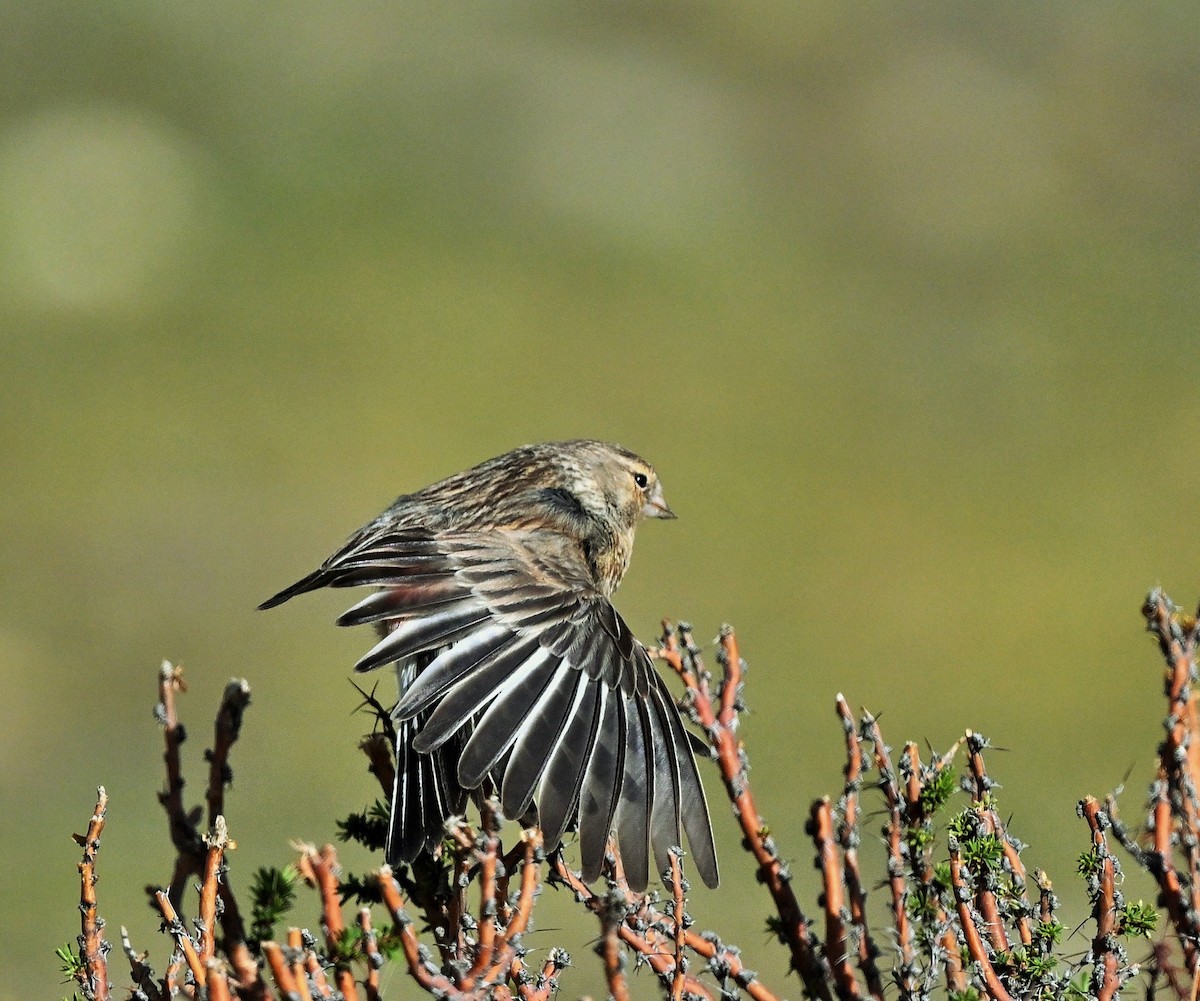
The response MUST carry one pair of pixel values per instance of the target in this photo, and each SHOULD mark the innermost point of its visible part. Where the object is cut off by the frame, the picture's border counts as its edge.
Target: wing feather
(469, 655)
(637, 793)
(501, 721)
(542, 685)
(537, 739)
(428, 632)
(564, 774)
(472, 692)
(601, 789)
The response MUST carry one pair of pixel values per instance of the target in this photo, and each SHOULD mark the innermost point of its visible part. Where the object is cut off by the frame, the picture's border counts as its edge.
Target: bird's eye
(641, 480)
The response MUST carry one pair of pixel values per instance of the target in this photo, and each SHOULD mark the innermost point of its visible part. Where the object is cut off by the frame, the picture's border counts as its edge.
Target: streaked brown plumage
(514, 667)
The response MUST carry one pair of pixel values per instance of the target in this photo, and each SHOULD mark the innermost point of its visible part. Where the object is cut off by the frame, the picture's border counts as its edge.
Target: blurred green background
(900, 300)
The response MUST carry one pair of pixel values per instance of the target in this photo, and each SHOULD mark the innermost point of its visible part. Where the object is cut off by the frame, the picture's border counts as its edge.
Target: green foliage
(1089, 863)
(387, 940)
(1138, 919)
(983, 852)
(72, 962)
(273, 892)
(937, 790)
(961, 826)
(369, 828)
(348, 946)
(360, 890)
(919, 839)
(1048, 933)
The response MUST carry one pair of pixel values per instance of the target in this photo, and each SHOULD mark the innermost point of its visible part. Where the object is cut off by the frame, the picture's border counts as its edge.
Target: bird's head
(609, 484)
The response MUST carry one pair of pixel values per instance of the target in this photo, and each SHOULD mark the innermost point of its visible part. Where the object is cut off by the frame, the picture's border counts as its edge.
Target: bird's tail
(426, 791)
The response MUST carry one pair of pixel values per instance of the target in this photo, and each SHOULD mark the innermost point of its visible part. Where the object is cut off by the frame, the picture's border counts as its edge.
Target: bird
(492, 596)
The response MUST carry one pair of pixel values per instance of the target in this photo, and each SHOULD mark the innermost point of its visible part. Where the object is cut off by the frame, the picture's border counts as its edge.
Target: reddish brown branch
(92, 975)
(518, 919)
(712, 951)
(191, 852)
(993, 923)
(215, 843)
(614, 962)
(184, 835)
(720, 725)
(296, 963)
(679, 920)
(315, 973)
(486, 853)
(993, 824)
(1174, 805)
(228, 727)
(217, 981)
(174, 969)
(848, 839)
(370, 947)
(837, 949)
(546, 985)
(426, 976)
(1104, 956)
(649, 944)
(284, 978)
(976, 948)
(321, 870)
(920, 865)
(182, 939)
(897, 883)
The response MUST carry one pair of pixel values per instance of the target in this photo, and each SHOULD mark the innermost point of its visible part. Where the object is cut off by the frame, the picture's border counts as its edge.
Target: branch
(837, 951)
(216, 842)
(896, 867)
(848, 839)
(142, 975)
(1106, 977)
(614, 963)
(720, 727)
(183, 941)
(486, 850)
(320, 870)
(966, 920)
(184, 835)
(520, 916)
(1174, 791)
(228, 727)
(92, 974)
(370, 942)
(427, 976)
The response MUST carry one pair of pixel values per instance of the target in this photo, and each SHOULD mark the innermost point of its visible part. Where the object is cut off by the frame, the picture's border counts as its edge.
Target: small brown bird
(514, 667)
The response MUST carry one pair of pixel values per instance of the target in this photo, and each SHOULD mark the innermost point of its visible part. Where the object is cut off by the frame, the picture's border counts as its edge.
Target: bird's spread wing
(556, 693)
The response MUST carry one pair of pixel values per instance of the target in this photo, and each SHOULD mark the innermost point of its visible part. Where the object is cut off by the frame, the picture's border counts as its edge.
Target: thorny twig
(979, 909)
(719, 720)
(976, 947)
(92, 972)
(191, 852)
(837, 949)
(848, 840)
(1174, 810)
(1106, 957)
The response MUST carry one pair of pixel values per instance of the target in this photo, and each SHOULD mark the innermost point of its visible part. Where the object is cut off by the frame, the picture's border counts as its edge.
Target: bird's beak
(656, 506)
